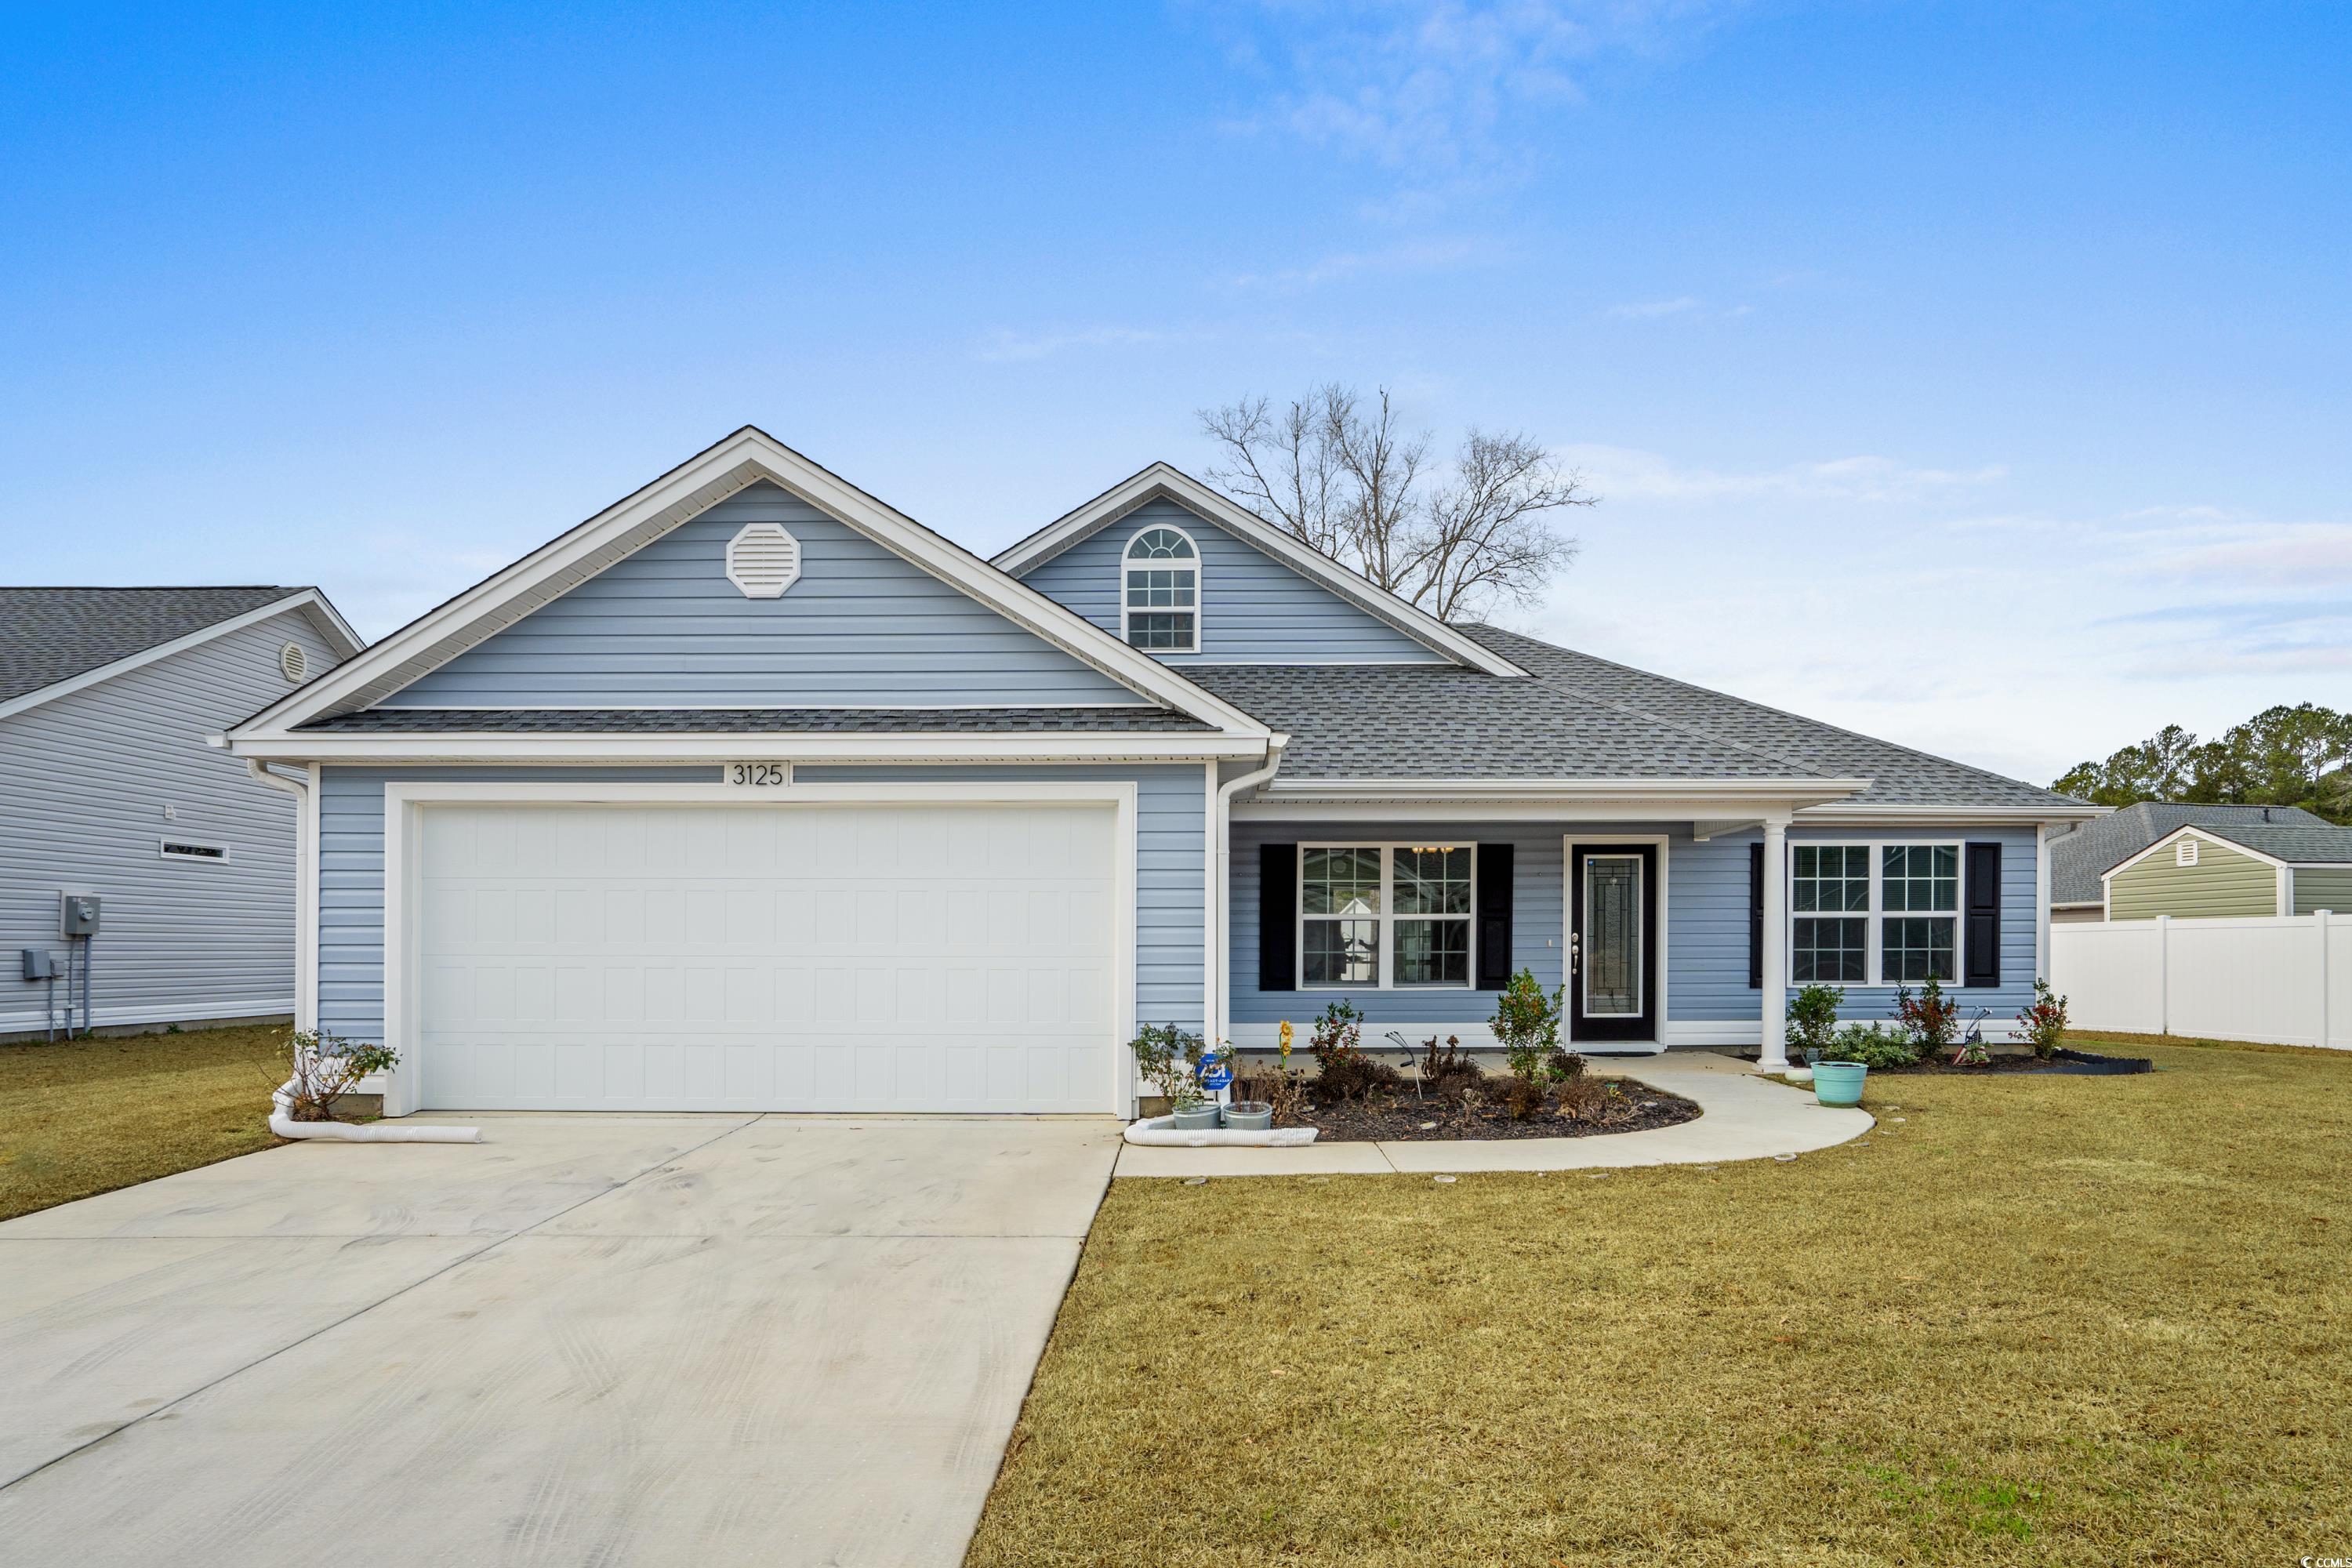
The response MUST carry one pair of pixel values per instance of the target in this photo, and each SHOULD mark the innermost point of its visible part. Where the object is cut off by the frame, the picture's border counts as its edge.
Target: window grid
(1386, 917)
(1873, 914)
(1159, 590)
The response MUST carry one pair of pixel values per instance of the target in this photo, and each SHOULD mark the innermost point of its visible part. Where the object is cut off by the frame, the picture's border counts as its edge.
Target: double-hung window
(1160, 592)
(1385, 916)
(1873, 914)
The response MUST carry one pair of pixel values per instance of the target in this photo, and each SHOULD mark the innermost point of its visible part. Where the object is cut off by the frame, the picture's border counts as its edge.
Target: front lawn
(87, 1116)
(2038, 1320)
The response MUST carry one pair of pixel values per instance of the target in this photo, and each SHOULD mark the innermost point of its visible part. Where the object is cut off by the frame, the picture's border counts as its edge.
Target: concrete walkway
(1744, 1117)
(613, 1340)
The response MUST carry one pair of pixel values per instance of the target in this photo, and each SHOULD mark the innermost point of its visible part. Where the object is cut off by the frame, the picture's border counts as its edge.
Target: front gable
(803, 597)
(1254, 609)
(673, 626)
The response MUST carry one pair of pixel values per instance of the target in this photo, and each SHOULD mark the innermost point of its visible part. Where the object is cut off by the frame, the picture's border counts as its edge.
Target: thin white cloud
(1418, 257)
(1444, 94)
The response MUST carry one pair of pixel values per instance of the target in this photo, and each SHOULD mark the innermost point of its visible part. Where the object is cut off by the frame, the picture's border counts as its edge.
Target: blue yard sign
(1216, 1071)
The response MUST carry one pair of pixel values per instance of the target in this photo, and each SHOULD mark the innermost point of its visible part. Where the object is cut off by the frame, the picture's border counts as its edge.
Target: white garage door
(766, 957)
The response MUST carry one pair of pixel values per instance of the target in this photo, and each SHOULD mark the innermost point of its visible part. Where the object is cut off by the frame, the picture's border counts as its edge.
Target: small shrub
(1449, 1072)
(1169, 1060)
(323, 1066)
(1585, 1098)
(1527, 1021)
(1872, 1045)
(1563, 1066)
(1930, 1019)
(1356, 1075)
(1523, 1097)
(1813, 1015)
(2044, 1022)
(1337, 1034)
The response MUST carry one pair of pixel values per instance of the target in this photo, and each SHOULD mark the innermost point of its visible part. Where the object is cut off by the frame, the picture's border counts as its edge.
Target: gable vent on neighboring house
(2185, 852)
(292, 662)
(763, 561)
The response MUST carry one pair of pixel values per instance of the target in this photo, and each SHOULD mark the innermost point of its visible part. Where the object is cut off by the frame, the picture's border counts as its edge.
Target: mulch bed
(2067, 1063)
(1632, 1107)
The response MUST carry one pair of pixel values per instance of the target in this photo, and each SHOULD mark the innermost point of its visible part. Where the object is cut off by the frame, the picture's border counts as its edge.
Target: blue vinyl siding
(664, 627)
(1254, 609)
(1708, 945)
(1171, 859)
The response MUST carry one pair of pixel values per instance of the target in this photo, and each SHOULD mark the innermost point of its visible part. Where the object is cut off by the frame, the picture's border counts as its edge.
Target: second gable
(1253, 608)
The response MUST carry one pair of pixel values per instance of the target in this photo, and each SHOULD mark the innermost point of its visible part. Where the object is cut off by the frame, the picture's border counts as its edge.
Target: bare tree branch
(1351, 482)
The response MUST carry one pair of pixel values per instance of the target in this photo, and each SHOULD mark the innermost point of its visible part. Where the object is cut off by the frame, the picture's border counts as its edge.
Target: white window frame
(1200, 586)
(165, 847)
(1874, 917)
(1387, 918)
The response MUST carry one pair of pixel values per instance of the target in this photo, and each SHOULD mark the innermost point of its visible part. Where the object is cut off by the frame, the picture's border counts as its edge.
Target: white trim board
(478, 747)
(405, 801)
(1165, 481)
(310, 601)
(748, 457)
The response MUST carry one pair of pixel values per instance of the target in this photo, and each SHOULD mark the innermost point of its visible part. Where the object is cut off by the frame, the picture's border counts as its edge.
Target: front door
(1612, 942)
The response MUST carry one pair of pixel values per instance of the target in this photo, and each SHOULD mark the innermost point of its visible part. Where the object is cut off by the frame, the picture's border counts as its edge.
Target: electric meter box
(78, 914)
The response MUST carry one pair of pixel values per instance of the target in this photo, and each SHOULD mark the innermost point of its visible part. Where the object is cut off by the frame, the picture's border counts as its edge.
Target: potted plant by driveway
(1841, 1067)
(1169, 1058)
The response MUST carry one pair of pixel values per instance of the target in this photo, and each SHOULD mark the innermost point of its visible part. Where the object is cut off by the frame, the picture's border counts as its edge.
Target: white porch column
(1775, 946)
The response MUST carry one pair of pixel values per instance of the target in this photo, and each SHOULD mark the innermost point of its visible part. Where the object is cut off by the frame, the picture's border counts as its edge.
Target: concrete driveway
(608, 1340)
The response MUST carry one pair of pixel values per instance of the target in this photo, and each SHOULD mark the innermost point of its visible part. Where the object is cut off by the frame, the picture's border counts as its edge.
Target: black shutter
(1494, 916)
(1981, 901)
(1755, 917)
(1278, 917)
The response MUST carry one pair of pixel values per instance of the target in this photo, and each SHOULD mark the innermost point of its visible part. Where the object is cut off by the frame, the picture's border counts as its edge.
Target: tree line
(2298, 756)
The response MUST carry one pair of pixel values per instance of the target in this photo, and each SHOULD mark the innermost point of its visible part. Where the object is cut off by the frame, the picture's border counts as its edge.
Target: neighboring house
(108, 787)
(2081, 857)
(750, 792)
(2243, 868)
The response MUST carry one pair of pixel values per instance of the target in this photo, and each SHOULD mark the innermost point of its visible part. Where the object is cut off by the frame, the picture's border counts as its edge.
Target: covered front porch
(1417, 913)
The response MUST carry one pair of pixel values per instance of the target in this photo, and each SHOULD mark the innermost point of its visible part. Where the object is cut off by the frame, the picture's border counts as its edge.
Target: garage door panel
(767, 957)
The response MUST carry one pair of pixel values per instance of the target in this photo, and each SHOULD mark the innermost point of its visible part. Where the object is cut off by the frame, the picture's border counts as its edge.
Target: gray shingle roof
(49, 634)
(2317, 843)
(750, 721)
(1580, 718)
(2079, 857)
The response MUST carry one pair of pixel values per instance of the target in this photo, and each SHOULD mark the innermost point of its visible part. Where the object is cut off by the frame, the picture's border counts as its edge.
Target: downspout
(1220, 1008)
(306, 1006)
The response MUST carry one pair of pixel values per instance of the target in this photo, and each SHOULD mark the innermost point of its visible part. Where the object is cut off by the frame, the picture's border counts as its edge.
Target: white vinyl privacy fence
(2285, 979)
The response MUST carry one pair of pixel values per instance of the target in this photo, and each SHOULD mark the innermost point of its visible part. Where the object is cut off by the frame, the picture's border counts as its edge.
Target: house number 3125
(758, 775)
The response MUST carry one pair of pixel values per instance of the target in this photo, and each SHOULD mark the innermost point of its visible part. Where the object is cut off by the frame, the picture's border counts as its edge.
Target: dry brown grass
(87, 1116)
(2047, 1321)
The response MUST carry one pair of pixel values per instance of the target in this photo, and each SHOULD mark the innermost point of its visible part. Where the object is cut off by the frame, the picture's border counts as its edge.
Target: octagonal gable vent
(292, 663)
(763, 560)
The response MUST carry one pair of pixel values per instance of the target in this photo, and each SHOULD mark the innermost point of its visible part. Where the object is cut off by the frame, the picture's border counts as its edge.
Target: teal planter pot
(1839, 1083)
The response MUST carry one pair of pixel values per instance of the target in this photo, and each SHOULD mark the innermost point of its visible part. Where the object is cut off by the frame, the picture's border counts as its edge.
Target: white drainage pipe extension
(285, 1126)
(1161, 1133)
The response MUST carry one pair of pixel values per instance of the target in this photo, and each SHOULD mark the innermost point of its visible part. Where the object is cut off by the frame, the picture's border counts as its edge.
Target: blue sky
(1972, 374)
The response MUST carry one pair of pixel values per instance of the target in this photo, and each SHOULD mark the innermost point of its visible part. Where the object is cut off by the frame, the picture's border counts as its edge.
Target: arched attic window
(1159, 591)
